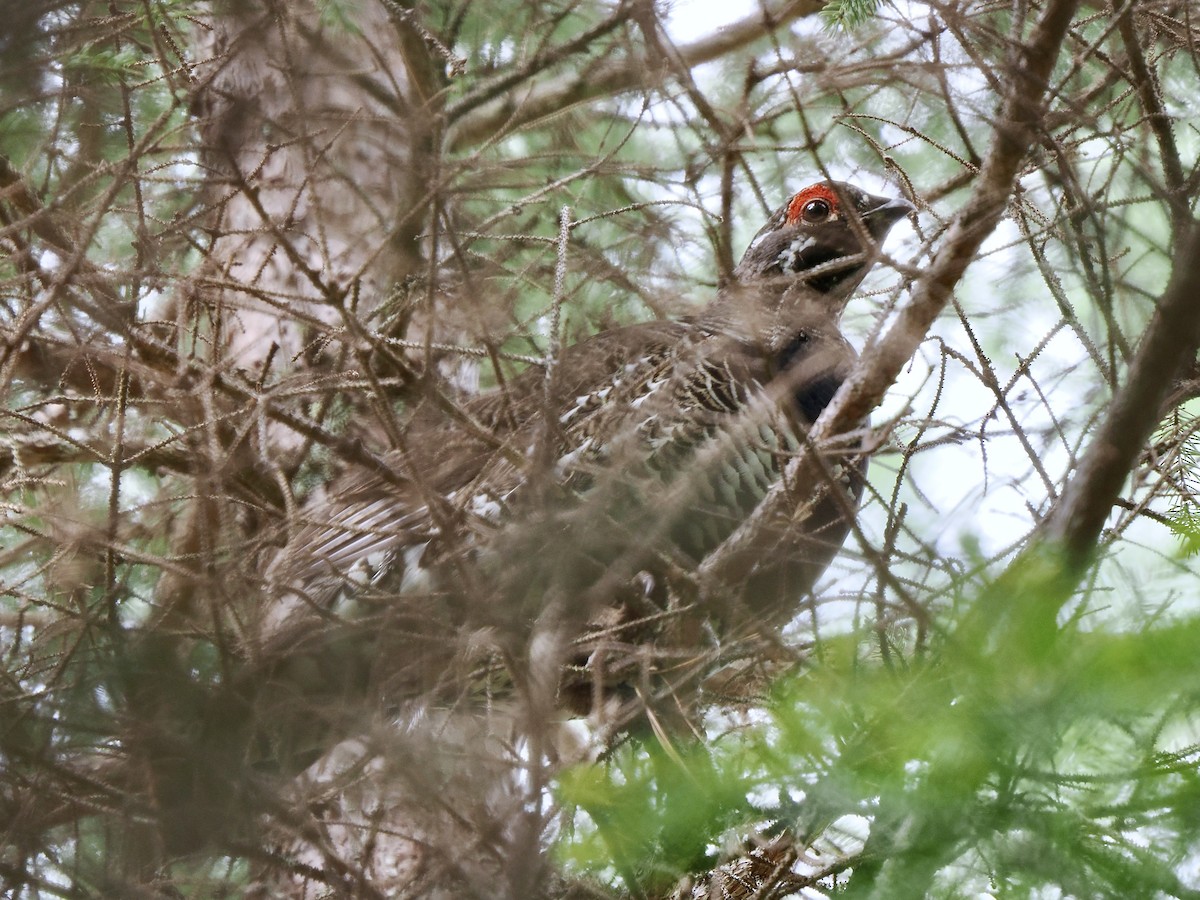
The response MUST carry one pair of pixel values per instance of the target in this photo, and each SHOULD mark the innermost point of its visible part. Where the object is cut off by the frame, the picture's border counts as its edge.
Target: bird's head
(826, 236)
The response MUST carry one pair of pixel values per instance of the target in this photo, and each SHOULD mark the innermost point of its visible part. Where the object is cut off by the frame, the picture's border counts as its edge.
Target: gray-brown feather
(641, 451)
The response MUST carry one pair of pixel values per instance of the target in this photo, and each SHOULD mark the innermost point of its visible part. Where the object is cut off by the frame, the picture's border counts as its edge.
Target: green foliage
(655, 810)
(847, 15)
(338, 14)
(986, 736)
(1184, 518)
(1002, 760)
(102, 65)
(1186, 524)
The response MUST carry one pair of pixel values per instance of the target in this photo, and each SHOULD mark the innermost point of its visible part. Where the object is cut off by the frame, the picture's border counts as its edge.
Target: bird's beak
(890, 210)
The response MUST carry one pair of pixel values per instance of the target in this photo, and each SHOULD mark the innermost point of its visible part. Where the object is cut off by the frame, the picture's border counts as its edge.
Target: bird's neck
(772, 312)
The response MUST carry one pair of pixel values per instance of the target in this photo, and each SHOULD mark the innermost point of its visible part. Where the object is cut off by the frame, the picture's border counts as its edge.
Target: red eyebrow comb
(815, 192)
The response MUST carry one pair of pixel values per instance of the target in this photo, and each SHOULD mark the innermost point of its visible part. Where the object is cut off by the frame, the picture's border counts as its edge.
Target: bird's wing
(452, 479)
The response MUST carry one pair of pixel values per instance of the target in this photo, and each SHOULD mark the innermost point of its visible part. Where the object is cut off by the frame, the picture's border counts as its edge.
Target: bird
(583, 494)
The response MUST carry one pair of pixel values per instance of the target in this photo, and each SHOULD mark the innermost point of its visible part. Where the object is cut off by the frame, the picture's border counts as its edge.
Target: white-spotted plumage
(791, 255)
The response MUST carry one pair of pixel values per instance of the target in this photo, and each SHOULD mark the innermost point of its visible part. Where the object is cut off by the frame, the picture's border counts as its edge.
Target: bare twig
(1168, 348)
(1017, 126)
(616, 76)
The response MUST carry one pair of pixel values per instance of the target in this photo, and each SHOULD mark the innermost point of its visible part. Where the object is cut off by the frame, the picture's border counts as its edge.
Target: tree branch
(1016, 131)
(1168, 349)
(615, 76)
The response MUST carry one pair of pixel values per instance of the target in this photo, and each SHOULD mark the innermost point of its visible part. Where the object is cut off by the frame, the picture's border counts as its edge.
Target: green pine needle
(846, 15)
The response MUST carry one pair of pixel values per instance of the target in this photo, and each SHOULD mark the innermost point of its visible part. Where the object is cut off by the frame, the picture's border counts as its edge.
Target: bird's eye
(816, 210)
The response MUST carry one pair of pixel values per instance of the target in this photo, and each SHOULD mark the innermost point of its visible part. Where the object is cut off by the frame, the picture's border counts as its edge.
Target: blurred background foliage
(381, 183)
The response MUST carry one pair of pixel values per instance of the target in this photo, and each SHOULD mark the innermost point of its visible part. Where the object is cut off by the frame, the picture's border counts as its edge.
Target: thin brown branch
(619, 75)
(1016, 130)
(584, 42)
(1150, 96)
(1169, 347)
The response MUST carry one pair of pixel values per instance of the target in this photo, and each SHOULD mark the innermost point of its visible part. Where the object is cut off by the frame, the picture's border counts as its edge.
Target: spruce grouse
(581, 496)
